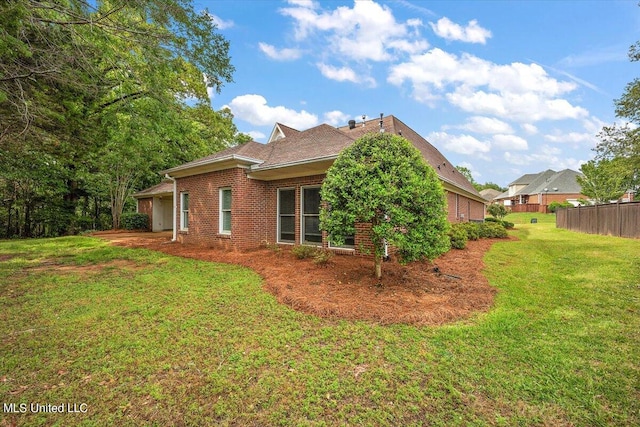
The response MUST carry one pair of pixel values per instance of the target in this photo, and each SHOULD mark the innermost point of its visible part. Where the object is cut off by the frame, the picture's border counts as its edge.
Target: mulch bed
(346, 288)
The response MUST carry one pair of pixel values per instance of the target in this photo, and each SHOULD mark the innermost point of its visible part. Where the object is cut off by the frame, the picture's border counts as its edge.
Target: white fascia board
(232, 158)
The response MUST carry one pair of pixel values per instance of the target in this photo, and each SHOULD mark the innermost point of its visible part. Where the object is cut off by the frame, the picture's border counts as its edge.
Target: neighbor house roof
(560, 182)
(490, 193)
(319, 146)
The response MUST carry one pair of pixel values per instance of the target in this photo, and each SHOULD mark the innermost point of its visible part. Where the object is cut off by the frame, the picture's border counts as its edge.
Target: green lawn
(143, 338)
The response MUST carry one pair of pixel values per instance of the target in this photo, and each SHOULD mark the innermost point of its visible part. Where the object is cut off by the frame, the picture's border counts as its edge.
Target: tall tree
(383, 180)
(601, 181)
(71, 71)
(621, 144)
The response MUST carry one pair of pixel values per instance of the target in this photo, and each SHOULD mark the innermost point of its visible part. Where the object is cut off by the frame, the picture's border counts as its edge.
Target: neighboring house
(489, 194)
(535, 192)
(253, 194)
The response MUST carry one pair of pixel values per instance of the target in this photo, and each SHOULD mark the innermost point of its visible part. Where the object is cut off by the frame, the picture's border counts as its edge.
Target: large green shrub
(383, 180)
(134, 221)
(458, 236)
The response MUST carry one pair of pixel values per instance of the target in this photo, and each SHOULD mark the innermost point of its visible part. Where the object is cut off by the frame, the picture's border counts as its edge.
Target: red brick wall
(254, 210)
(146, 206)
(461, 208)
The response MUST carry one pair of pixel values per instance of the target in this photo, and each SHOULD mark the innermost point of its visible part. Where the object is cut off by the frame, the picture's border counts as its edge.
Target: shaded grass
(161, 340)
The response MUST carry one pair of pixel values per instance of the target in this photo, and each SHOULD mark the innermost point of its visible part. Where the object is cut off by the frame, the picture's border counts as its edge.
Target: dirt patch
(418, 293)
(54, 265)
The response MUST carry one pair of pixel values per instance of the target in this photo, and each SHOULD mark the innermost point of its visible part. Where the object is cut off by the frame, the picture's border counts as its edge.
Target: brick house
(252, 194)
(535, 192)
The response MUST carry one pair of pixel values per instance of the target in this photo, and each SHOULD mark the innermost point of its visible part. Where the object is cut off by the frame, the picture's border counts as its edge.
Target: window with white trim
(225, 211)
(286, 215)
(184, 211)
(311, 233)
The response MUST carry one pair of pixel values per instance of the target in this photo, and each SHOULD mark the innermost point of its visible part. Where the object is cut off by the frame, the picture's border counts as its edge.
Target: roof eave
(208, 165)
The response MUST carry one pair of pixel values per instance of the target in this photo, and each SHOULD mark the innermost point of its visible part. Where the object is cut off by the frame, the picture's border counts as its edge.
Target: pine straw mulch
(346, 288)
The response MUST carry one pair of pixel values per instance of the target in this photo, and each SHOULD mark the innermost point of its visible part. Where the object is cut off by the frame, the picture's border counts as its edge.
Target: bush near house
(462, 232)
(134, 221)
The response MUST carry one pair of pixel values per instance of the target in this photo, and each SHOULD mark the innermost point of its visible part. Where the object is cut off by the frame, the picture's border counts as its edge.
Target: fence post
(619, 217)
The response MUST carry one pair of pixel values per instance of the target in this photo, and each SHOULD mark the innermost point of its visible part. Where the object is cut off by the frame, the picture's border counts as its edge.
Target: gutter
(175, 206)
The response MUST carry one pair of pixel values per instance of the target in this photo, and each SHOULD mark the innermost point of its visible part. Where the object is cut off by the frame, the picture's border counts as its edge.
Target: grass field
(142, 338)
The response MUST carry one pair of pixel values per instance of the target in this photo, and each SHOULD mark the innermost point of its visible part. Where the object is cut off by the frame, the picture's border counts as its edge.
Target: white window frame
(184, 213)
(222, 211)
(286, 242)
(302, 216)
(345, 246)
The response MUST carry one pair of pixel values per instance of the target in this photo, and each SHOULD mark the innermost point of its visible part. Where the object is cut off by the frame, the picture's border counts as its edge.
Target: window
(184, 211)
(311, 216)
(225, 211)
(349, 243)
(286, 215)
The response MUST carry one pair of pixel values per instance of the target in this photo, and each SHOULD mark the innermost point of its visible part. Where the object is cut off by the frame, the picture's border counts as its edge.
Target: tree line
(615, 170)
(95, 98)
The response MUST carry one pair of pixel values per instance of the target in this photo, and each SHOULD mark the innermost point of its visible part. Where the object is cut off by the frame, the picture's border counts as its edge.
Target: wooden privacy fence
(617, 219)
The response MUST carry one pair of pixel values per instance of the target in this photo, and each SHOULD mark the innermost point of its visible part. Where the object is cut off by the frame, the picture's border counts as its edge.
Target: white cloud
(254, 109)
(488, 125)
(345, 74)
(336, 118)
(547, 157)
(462, 144)
(285, 54)
(516, 91)
(220, 23)
(368, 31)
(573, 138)
(472, 33)
(529, 128)
(256, 135)
(509, 142)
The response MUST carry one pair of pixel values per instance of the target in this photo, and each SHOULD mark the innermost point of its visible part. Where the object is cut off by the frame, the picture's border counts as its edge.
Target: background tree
(602, 181)
(383, 180)
(497, 211)
(85, 86)
(620, 144)
(466, 172)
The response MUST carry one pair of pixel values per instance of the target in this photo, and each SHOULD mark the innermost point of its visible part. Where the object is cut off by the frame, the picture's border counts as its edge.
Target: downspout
(175, 206)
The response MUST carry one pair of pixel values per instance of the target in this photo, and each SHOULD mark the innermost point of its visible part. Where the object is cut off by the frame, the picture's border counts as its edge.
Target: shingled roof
(322, 143)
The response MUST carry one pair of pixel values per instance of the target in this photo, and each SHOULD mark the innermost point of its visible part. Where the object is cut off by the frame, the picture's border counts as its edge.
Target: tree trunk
(378, 261)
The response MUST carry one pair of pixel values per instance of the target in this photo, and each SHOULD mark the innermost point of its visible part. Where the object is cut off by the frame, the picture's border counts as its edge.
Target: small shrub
(134, 221)
(271, 246)
(554, 206)
(497, 210)
(303, 251)
(508, 225)
(472, 229)
(490, 230)
(458, 236)
(322, 257)
(491, 219)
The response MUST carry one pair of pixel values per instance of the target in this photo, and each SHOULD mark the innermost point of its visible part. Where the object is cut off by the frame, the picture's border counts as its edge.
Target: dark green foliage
(93, 103)
(472, 229)
(382, 179)
(553, 206)
(134, 221)
(508, 225)
(458, 236)
(489, 230)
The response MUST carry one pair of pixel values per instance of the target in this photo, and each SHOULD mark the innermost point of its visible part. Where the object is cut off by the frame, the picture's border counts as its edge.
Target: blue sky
(501, 87)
